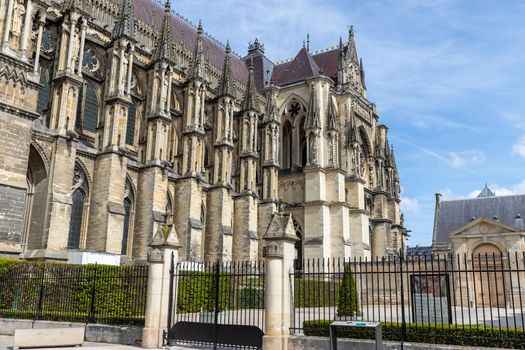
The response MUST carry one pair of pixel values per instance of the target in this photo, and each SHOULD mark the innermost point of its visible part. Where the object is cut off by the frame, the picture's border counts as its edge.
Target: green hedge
(429, 333)
(315, 293)
(67, 292)
(197, 290)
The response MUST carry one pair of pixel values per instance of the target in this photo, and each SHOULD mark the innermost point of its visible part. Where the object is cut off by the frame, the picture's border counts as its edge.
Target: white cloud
(519, 188)
(447, 194)
(409, 205)
(464, 158)
(519, 147)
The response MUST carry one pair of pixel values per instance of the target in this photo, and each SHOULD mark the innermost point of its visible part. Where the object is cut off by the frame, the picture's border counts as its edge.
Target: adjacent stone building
(116, 115)
(483, 225)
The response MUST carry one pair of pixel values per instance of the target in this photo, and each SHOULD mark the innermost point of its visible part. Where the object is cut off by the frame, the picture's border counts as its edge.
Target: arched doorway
(36, 201)
(488, 276)
(79, 202)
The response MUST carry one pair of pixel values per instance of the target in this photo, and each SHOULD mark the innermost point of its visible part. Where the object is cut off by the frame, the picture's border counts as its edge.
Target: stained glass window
(47, 41)
(90, 109)
(43, 93)
(130, 128)
(90, 61)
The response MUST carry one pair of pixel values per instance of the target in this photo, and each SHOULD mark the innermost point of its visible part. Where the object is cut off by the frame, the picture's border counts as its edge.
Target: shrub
(347, 304)
(477, 335)
(252, 298)
(67, 292)
(197, 291)
(315, 293)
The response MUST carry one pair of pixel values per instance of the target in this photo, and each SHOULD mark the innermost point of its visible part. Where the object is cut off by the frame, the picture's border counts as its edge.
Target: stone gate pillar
(163, 246)
(279, 254)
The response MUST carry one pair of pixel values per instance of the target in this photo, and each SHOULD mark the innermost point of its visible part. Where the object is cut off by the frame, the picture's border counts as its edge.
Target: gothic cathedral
(117, 116)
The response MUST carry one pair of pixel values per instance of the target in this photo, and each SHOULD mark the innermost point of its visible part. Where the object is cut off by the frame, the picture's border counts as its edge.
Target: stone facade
(117, 115)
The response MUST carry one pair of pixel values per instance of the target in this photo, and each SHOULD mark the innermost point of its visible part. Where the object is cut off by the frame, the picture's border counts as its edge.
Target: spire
(198, 69)
(362, 71)
(312, 119)
(272, 112)
(392, 157)
(332, 116)
(352, 51)
(256, 46)
(308, 42)
(250, 97)
(226, 84)
(125, 24)
(163, 47)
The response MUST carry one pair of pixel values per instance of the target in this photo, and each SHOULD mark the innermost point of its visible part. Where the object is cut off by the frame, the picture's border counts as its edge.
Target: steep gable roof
(454, 214)
(303, 66)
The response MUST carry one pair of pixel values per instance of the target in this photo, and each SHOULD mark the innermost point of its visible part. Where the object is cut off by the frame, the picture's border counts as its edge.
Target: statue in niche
(19, 11)
(331, 151)
(274, 144)
(313, 150)
(75, 37)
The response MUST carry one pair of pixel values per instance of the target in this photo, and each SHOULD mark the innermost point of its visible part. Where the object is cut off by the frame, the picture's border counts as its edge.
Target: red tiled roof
(149, 12)
(328, 62)
(303, 66)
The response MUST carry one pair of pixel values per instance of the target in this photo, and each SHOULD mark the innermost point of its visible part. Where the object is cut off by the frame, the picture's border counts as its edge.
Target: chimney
(518, 223)
(438, 200)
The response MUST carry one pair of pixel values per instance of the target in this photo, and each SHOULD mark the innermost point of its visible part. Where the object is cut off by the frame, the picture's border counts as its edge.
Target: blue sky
(447, 76)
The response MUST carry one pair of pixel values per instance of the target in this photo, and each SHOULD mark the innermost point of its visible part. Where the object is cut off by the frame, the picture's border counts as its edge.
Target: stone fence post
(163, 246)
(279, 254)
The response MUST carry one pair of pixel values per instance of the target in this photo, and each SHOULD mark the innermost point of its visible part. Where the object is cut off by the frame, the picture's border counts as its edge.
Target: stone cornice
(19, 111)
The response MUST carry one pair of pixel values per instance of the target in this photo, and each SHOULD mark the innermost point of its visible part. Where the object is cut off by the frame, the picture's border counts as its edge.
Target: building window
(43, 92)
(287, 146)
(130, 128)
(90, 120)
(79, 196)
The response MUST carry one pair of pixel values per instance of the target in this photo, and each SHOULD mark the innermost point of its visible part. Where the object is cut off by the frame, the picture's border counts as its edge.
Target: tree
(348, 302)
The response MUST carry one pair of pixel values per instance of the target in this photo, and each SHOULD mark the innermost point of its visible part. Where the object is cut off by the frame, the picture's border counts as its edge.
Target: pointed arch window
(91, 108)
(130, 128)
(287, 146)
(129, 211)
(78, 207)
(43, 92)
(302, 144)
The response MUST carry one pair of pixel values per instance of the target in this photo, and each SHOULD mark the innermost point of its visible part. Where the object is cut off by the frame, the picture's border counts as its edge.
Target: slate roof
(451, 215)
(151, 13)
(262, 70)
(306, 65)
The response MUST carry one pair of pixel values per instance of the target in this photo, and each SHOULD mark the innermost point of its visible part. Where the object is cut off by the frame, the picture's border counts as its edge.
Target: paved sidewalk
(6, 343)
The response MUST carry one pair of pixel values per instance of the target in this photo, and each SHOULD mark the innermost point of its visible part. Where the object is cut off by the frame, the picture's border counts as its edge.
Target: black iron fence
(463, 300)
(217, 304)
(87, 293)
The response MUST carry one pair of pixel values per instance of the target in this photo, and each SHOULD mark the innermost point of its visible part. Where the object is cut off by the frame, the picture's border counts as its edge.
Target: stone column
(279, 254)
(41, 24)
(70, 44)
(81, 51)
(7, 27)
(163, 255)
(26, 29)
